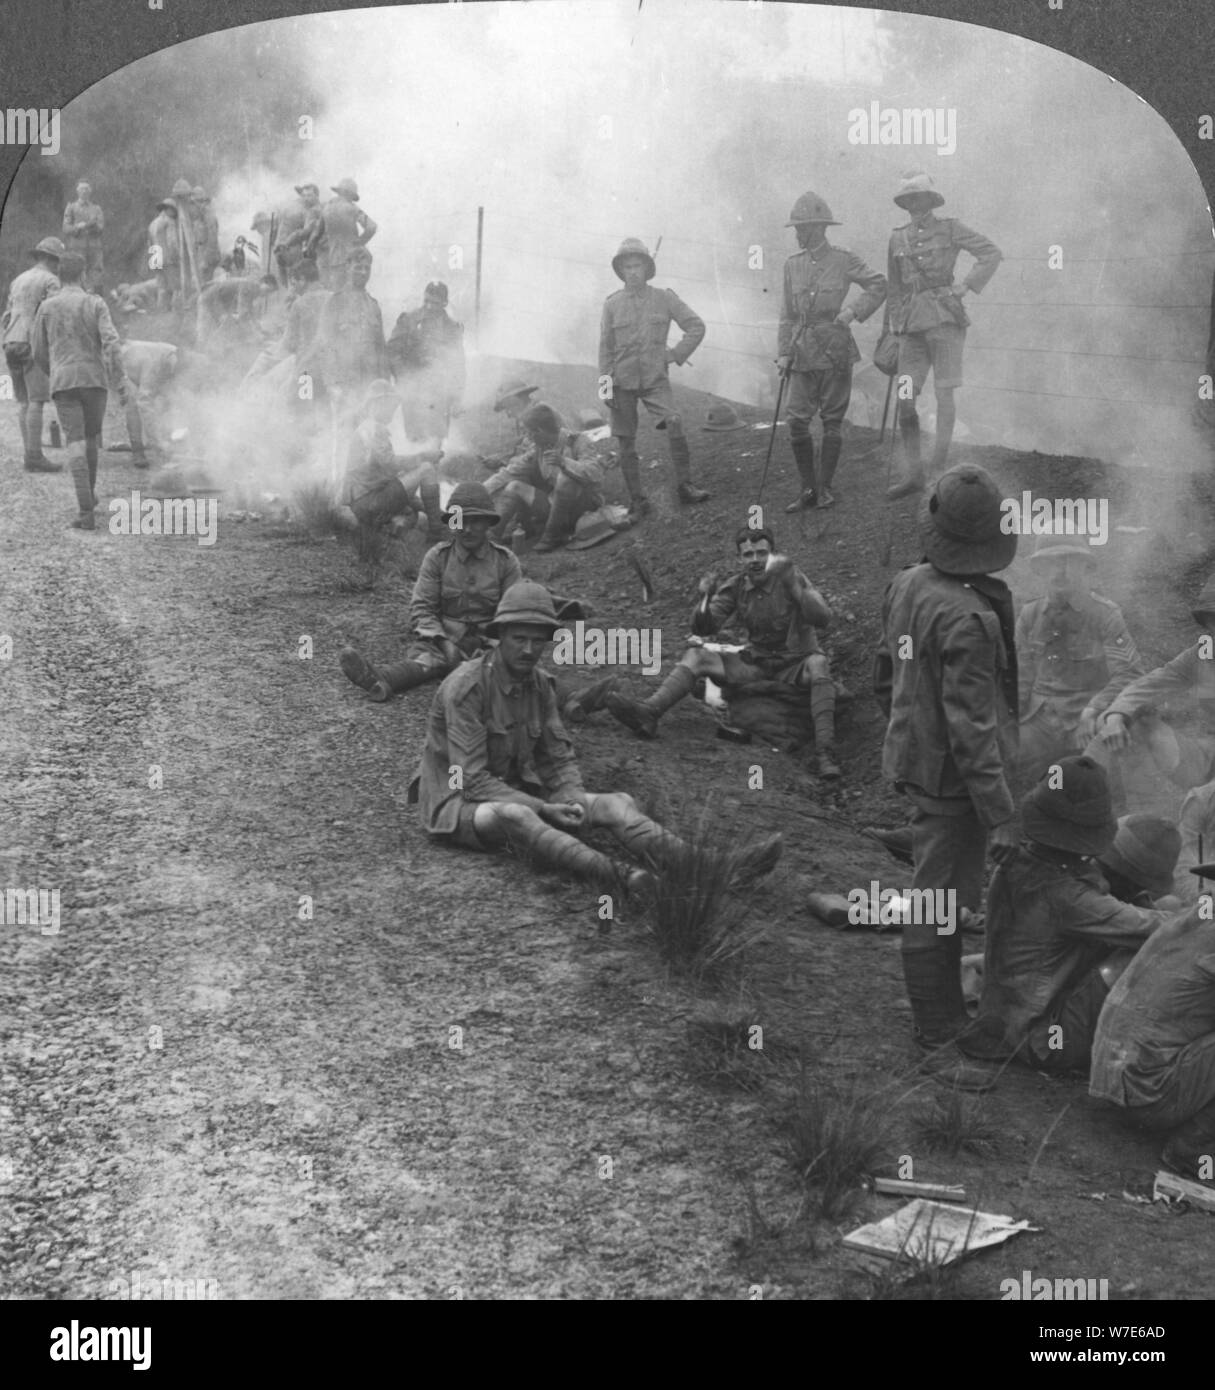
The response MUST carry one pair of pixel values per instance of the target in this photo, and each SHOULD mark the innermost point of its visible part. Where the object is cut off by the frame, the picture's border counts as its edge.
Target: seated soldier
(381, 485)
(495, 722)
(1074, 656)
(460, 583)
(1057, 938)
(1154, 1048)
(552, 484)
(513, 399)
(779, 610)
(1183, 690)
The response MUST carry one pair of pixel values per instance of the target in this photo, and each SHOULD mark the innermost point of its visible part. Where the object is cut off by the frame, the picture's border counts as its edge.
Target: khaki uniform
(25, 296)
(349, 345)
(427, 355)
(781, 641)
(1182, 694)
(341, 227)
(83, 225)
(455, 596)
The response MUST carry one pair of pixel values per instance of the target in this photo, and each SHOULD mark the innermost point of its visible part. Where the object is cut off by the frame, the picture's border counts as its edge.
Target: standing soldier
(164, 254)
(206, 234)
(350, 348)
(815, 346)
(926, 312)
(83, 224)
(946, 677)
(31, 389)
(633, 362)
(292, 228)
(426, 351)
(76, 344)
(340, 228)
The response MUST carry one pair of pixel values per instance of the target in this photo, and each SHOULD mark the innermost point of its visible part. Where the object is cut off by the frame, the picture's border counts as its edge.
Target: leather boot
(583, 703)
(681, 461)
(832, 444)
(909, 433)
(642, 716)
(435, 529)
(509, 509)
(562, 513)
(407, 675)
(803, 456)
(31, 434)
(1190, 1150)
(822, 711)
(78, 466)
(630, 471)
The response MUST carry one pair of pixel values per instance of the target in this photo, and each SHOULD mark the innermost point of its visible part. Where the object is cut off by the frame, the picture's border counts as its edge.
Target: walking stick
(780, 396)
(882, 432)
(885, 556)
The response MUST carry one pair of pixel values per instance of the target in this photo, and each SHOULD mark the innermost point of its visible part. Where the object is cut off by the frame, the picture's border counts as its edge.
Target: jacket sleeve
(986, 253)
(40, 342)
(1103, 920)
(970, 691)
(367, 227)
(812, 606)
(721, 607)
(1176, 678)
(1027, 666)
(425, 607)
(872, 284)
(605, 343)
(555, 759)
(883, 663)
(693, 328)
(1121, 656)
(788, 316)
(896, 291)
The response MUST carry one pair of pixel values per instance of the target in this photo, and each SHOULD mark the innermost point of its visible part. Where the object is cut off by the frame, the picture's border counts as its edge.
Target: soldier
(458, 588)
(164, 254)
(426, 350)
(150, 369)
(292, 229)
(293, 358)
(495, 722)
(206, 234)
(350, 348)
(380, 484)
(340, 229)
(633, 362)
(551, 485)
(926, 312)
(514, 399)
(946, 677)
(1057, 936)
(83, 225)
(1154, 1049)
(230, 311)
(779, 610)
(31, 388)
(1183, 748)
(76, 344)
(815, 347)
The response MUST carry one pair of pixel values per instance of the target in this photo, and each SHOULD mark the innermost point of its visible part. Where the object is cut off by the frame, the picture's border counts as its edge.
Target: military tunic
(779, 635)
(25, 296)
(83, 225)
(350, 344)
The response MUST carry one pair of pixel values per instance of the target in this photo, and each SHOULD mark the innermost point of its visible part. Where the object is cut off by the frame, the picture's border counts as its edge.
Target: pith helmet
(811, 208)
(723, 417)
(1061, 548)
(302, 188)
(181, 189)
(634, 246)
(1076, 816)
(436, 290)
(916, 181)
(49, 246)
(473, 499)
(524, 602)
(1145, 850)
(347, 188)
(514, 386)
(960, 526)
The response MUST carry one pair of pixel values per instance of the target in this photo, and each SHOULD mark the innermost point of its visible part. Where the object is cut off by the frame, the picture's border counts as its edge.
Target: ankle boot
(803, 456)
(407, 675)
(78, 466)
(681, 461)
(1190, 1149)
(822, 711)
(435, 529)
(909, 433)
(508, 509)
(642, 716)
(630, 471)
(562, 513)
(832, 444)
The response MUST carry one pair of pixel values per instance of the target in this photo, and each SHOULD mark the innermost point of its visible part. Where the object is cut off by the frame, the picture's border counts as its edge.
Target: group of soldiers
(1015, 734)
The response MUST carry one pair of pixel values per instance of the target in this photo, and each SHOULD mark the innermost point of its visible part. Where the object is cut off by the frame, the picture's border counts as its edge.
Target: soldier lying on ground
(498, 767)
(552, 484)
(1154, 1049)
(1057, 936)
(381, 485)
(780, 611)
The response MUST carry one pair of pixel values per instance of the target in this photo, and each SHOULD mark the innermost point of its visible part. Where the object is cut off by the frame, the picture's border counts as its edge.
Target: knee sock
(676, 687)
(822, 711)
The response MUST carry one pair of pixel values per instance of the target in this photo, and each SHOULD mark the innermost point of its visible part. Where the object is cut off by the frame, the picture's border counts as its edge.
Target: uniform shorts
(658, 400)
(81, 411)
(938, 349)
(30, 382)
(382, 503)
(824, 391)
(741, 668)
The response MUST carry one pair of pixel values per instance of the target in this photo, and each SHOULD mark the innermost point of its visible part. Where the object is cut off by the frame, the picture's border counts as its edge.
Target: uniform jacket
(457, 592)
(206, 236)
(633, 336)
(539, 468)
(766, 610)
(1162, 1002)
(149, 367)
(293, 226)
(952, 701)
(816, 284)
(350, 340)
(422, 341)
(1049, 921)
(1184, 687)
(1073, 655)
(25, 295)
(83, 222)
(505, 737)
(300, 331)
(921, 263)
(75, 341)
(341, 226)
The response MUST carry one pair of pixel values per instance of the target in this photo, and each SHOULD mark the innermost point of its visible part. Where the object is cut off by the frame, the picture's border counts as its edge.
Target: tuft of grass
(726, 1050)
(955, 1123)
(314, 509)
(834, 1136)
(699, 925)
